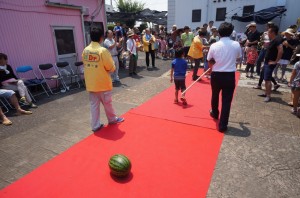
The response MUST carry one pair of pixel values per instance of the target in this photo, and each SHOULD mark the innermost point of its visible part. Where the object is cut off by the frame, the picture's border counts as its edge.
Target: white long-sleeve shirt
(131, 46)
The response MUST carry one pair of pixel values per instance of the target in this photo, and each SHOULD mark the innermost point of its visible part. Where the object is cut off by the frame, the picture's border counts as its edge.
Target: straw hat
(251, 24)
(130, 33)
(289, 31)
(213, 28)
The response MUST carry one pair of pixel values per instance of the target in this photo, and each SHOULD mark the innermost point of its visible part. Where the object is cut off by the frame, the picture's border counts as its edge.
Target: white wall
(181, 15)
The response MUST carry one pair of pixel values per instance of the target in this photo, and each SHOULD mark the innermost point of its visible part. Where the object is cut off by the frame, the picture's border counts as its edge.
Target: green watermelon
(119, 165)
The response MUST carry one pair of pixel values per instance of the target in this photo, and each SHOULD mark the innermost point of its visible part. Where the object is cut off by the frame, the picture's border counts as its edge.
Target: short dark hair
(96, 34)
(202, 33)
(211, 22)
(3, 56)
(225, 29)
(205, 24)
(274, 29)
(178, 53)
(186, 27)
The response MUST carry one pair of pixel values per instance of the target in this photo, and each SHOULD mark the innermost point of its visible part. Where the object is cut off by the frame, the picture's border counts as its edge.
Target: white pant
(20, 87)
(115, 74)
(105, 98)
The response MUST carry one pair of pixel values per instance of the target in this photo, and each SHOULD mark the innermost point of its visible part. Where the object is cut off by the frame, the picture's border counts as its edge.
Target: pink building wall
(26, 29)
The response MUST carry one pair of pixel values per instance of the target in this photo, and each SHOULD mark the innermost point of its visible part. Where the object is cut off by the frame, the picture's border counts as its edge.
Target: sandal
(7, 122)
(257, 87)
(183, 101)
(23, 112)
(175, 101)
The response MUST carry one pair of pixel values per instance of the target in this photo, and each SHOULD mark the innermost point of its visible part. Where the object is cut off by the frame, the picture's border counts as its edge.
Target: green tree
(129, 6)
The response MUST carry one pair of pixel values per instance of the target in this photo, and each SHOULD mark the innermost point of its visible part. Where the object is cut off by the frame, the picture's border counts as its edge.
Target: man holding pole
(224, 54)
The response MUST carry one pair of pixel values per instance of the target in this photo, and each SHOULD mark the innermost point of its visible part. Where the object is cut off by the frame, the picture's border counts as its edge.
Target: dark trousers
(197, 65)
(225, 82)
(261, 78)
(132, 64)
(152, 52)
(260, 59)
(249, 67)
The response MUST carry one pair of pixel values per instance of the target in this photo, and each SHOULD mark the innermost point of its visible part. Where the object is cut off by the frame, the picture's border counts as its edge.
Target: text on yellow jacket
(98, 64)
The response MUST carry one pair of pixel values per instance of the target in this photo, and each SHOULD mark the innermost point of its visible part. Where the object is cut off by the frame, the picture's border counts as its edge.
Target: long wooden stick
(195, 81)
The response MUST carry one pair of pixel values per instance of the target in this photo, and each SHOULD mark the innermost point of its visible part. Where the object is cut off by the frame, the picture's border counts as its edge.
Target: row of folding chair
(49, 72)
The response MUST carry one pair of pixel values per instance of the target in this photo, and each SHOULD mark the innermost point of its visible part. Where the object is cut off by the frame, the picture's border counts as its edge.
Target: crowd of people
(218, 49)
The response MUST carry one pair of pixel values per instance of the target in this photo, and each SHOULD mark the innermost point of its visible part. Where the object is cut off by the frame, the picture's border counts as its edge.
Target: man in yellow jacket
(98, 64)
(148, 43)
(196, 52)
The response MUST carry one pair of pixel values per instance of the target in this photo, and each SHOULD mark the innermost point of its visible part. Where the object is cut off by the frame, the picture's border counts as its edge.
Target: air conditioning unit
(85, 11)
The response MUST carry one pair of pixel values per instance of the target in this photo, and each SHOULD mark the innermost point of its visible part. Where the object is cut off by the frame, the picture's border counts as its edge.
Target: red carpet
(168, 160)
(173, 151)
(195, 113)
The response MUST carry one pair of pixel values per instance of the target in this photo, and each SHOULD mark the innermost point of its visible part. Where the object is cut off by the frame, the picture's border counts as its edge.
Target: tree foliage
(129, 6)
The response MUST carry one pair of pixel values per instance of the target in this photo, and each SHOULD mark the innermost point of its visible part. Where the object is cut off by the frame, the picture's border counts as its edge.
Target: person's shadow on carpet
(110, 132)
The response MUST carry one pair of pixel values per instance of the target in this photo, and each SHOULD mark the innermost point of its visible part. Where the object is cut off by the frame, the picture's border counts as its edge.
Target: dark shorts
(295, 88)
(268, 71)
(186, 51)
(180, 84)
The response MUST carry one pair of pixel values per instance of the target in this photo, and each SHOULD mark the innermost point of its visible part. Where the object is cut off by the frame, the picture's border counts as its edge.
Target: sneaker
(118, 120)
(247, 76)
(294, 111)
(195, 77)
(22, 99)
(267, 99)
(262, 95)
(251, 76)
(184, 102)
(276, 87)
(97, 129)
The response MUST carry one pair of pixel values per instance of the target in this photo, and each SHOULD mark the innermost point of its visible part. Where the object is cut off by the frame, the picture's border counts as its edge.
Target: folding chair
(3, 104)
(65, 71)
(49, 73)
(79, 71)
(26, 73)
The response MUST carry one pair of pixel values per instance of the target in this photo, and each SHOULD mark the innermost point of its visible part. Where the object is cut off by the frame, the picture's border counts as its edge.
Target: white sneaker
(267, 99)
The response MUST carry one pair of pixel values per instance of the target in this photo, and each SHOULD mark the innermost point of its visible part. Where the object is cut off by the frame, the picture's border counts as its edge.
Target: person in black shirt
(8, 80)
(273, 55)
(253, 36)
(289, 44)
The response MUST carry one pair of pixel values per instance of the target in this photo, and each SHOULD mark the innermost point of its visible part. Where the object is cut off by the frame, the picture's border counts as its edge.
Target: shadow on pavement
(243, 131)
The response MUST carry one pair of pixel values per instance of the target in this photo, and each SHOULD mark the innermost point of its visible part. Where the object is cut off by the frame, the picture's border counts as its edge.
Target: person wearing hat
(289, 44)
(132, 50)
(186, 38)
(295, 86)
(253, 35)
(174, 28)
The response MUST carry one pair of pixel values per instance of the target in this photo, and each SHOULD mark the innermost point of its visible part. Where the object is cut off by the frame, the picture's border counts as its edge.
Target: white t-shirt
(224, 52)
(131, 46)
